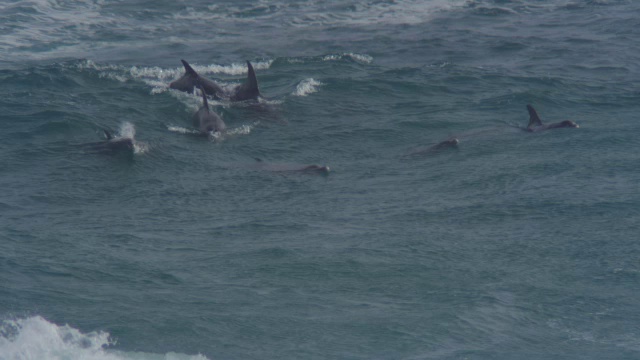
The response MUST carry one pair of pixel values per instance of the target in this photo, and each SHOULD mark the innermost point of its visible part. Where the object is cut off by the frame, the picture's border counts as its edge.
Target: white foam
(232, 69)
(182, 130)
(216, 136)
(262, 100)
(306, 87)
(140, 147)
(372, 13)
(35, 338)
(361, 58)
(242, 130)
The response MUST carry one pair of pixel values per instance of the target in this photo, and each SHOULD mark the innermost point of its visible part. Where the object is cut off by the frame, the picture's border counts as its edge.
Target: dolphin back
(534, 119)
(188, 69)
(252, 80)
(191, 79)
(248, 90)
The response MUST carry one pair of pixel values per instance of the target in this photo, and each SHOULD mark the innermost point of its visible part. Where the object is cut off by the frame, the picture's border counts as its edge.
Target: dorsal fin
(534, 120)
(107, 134)
(252, 80)
(188, 69)
(204, 96)
(258, 159)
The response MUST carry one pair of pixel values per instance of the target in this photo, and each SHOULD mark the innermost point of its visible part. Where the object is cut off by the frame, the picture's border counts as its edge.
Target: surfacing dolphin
(292, 168)
(191, 79)
(249, 90)
(206, 120)
(535, 124)
(112, 144)
(449, 143)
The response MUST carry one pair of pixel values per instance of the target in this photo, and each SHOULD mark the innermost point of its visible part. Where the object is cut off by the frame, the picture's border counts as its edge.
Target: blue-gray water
(515, 245)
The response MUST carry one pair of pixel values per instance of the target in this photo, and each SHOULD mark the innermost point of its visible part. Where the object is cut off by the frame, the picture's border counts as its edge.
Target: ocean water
(514, 245)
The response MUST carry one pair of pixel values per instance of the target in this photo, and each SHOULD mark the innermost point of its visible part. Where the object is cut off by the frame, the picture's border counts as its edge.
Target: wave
(306, 87)
(35, 338)
(327, 13)
(320, 12)
(350, 56)
(362, 58)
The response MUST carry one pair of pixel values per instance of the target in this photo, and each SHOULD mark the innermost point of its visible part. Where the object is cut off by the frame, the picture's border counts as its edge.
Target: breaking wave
(35, 338)
(306, 87)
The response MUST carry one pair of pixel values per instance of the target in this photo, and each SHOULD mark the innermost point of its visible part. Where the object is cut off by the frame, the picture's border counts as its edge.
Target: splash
(140, 148)
(35, 338)
(127, 131)
(306, 87)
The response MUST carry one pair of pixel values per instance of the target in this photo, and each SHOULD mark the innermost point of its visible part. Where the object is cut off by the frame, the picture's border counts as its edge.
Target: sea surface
(512, 245)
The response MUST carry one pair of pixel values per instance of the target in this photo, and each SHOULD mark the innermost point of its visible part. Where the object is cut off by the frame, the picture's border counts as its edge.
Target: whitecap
(361, 58)
(242, 130)
(231, 69)
(35, 338)
(182, 130)
(306, 87)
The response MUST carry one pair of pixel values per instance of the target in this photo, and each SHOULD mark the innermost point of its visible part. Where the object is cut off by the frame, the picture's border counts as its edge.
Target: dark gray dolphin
(111, 144)
(292, 168)
(191, 79)
(249, 90)
(449, 143)
(535, 124)
(206, 120)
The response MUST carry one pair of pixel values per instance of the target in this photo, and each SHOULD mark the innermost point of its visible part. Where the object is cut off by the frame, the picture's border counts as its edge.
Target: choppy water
(512, 246)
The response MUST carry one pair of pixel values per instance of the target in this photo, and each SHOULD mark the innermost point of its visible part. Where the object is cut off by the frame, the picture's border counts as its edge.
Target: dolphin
(449, 143)
(536, 125)
(293, 168)
(249, 90)
(191, 79)
(205, 119)
(112, 144)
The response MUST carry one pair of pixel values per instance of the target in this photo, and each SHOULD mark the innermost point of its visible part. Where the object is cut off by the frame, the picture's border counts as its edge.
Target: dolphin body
(191, 79)
(292, 168)
(112, 144)
(206, 120)
(249, 90)
(535, 124)
(449, 143)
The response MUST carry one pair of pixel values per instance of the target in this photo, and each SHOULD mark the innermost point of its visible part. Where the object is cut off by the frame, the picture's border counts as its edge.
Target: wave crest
(306, 87)
(35, 338)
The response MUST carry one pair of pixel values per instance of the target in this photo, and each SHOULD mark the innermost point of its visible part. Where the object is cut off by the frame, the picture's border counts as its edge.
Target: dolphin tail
(252, 80)
(534, 120)
(188, 69)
